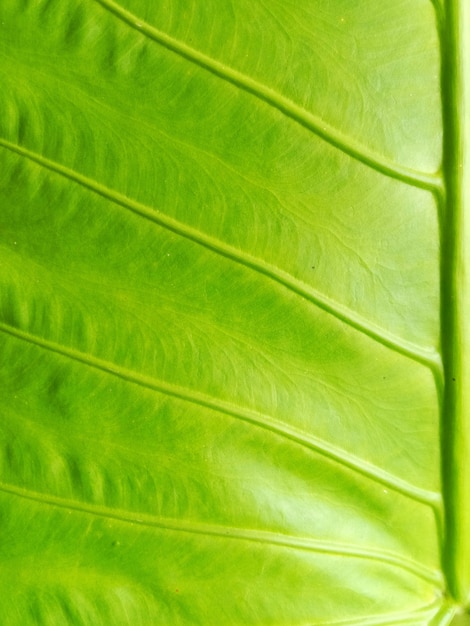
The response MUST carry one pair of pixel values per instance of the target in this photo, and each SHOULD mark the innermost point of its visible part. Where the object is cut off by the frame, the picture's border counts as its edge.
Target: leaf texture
(220, 274)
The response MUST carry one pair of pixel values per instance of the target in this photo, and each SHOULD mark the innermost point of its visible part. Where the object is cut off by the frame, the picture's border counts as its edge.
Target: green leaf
(232, 316)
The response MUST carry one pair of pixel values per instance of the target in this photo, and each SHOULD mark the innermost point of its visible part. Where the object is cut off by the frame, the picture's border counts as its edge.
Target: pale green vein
(331, 452)
(445, 616)
(229, 532)
(403, 617)
(428, 357)
(295, 112)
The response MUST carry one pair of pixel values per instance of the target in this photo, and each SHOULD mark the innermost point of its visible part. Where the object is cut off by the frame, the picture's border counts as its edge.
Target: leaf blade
(137, 299)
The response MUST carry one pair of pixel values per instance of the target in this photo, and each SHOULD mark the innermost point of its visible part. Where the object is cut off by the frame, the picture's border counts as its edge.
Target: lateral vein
(329, 451)
(427, 357)
(405, 618)
(230, 532)
(315, 124)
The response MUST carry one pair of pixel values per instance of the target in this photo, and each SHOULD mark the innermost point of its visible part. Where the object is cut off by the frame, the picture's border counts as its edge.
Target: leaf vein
(313, 123)
(427, 357)
(406, 618)
(229, 532)
(250, 416)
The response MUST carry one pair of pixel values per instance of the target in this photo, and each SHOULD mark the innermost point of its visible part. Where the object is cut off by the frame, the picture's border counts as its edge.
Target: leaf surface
(221, 266)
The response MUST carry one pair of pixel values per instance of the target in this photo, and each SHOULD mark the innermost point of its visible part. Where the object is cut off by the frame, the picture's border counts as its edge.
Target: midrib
(456, 298)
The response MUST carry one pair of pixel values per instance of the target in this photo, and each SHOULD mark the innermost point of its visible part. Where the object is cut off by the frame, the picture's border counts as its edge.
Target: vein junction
(227, 532)
(427, 357)
(315, 124)
(331, 452)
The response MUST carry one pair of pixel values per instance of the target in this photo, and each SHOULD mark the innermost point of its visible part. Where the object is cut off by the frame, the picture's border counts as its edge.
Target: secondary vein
(428, 357)
(328, 450)
(315, 124)
(406, 618)
(230, 532)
